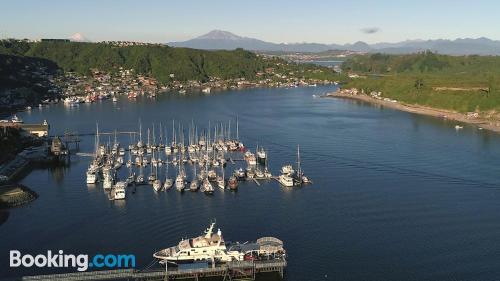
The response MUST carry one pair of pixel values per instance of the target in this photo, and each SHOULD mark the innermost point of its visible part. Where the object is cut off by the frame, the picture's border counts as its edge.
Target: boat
(108, 182)
(179, 183)
(458, 127)
(285, 180)
(207, 187)
(221, 182)
(240, 174)
(210, 247)
(206, 90)
(212, 175)
(115, 99)
(233, 183)
(168, 181)
(193, 186)
(140, 179)
(91, 177)
(119, 190)
(16, 119)
(261, 155)
(300, 178)
(157, 185)
(287, 170)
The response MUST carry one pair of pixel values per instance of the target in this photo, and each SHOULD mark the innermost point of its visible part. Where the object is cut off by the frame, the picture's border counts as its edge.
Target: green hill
(462, 83)
(158, 61)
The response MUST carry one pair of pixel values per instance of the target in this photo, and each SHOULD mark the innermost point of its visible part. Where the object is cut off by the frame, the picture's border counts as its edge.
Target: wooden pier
(238, 270)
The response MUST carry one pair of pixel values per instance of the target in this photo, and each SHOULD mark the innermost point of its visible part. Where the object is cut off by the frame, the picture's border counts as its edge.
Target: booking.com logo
(81, 262)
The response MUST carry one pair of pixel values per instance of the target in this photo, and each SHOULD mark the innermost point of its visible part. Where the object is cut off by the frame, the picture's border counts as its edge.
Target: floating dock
(237, 270)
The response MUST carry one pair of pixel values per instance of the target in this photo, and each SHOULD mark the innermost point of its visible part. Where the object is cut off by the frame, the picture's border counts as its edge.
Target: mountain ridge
(225, 40)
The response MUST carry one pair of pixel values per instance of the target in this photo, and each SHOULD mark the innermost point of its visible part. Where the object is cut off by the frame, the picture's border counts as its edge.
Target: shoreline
(481, 123)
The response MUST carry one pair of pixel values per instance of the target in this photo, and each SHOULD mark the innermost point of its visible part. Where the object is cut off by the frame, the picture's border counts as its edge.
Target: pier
(238, 270)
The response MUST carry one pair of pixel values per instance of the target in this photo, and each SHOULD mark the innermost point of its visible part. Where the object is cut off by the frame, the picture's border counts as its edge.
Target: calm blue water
(396, 196)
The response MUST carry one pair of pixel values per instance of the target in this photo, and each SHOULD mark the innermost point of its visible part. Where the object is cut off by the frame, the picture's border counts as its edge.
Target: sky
(276, 21)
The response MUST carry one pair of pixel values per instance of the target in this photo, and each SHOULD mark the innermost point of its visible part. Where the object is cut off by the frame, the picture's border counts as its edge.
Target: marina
(208, 152)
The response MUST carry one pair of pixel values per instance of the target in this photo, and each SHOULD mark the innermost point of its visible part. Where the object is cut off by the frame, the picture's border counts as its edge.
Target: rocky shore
(375, 98)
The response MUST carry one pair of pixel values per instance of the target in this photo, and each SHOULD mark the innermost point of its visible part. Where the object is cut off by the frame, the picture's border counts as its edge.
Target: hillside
(461, 83)
(158, 61)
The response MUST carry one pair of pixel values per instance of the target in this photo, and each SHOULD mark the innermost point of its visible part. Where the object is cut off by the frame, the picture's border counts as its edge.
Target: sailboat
(300, 177)
(194, 182)
(157, 183)
(168, 181)
(207, 185)
(152, 176)
(179, 181)
(221, 182)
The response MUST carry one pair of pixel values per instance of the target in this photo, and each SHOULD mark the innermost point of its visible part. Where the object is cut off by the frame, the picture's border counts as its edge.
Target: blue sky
(271, 20)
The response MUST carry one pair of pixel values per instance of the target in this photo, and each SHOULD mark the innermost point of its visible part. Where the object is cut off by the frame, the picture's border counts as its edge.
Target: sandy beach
(488, 124)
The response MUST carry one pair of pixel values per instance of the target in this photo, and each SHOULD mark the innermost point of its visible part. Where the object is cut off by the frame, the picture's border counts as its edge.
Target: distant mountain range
(218, 39)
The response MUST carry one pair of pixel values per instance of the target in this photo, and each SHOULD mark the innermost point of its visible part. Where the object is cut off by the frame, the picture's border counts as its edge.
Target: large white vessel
(91, 177)
(285, 180)
(211, 247)
(119, 190)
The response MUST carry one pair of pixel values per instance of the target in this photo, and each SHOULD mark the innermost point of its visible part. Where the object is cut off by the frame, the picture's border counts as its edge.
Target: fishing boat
(140, 179)
(211, 247)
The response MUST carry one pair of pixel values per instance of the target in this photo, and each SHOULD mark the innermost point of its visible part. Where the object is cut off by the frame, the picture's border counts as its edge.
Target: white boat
(119, 190)
(16, 119)
(261, 155)
(193, 186)
(207, 187)
(179, 182)
(140, 179)
(211, 247)
(168, 181)
(287, 170)
(221, 183)
(285, 180)
(167, 184)
(458, 127)
(108, 183)
(206, 90)
(157, 185)
(91, 177)
(115, 99)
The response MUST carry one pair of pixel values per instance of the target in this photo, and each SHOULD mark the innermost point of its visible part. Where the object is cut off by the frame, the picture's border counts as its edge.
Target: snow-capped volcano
(78, 37)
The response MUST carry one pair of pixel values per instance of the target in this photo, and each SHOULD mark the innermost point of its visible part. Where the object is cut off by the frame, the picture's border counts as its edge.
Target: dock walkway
(229, 271)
